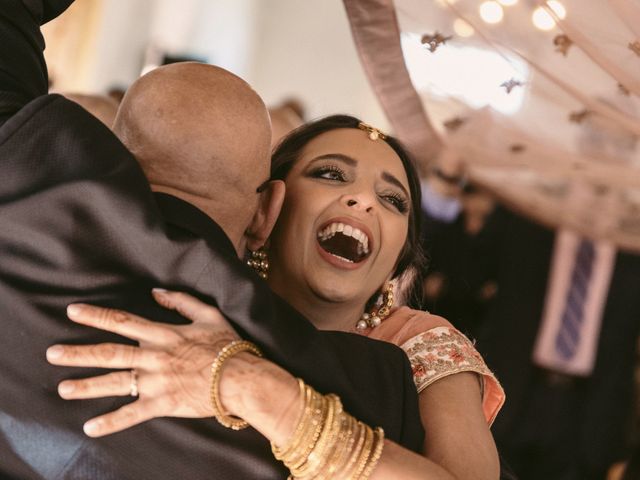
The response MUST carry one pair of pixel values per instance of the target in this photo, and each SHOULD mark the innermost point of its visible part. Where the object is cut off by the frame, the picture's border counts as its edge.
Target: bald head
(202, 134)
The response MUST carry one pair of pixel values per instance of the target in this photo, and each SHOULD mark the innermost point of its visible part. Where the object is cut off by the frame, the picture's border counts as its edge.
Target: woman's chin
(335, 292)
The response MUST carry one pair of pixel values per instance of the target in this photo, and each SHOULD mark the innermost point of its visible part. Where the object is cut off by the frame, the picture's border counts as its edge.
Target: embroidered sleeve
(444, 351)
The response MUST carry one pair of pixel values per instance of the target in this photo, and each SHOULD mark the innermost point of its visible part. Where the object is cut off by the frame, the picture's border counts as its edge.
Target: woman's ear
(269, 206)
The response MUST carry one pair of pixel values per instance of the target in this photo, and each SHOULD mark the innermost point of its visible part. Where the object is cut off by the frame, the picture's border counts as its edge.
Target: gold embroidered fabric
(444, 351)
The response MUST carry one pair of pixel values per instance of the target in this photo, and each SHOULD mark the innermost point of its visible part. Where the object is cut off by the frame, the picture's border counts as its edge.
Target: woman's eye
(397, 201)
(330, 173)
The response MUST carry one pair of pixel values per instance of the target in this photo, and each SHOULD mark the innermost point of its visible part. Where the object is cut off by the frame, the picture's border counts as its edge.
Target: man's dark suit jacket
(78, 222)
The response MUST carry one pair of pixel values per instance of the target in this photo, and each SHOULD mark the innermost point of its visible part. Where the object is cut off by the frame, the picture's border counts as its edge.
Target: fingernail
(66, 388)
(55, 352)
(91, 427)
(73, 310)
(159, 290)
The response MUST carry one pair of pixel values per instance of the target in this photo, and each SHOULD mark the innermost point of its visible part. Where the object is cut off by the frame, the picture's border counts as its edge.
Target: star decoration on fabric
(511, 84)
(635, 47)
(562, 43)
(624, 90)
(517, 148)
(454, 123)
(578, 117)
(432, 42)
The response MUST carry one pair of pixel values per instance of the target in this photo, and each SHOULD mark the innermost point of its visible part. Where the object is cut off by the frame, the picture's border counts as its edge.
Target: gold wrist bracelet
(375, 455)
(329, 443)
(225, 354)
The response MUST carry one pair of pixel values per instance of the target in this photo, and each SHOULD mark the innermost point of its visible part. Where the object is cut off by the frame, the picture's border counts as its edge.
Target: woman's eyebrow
(352, 162)
(394, 181)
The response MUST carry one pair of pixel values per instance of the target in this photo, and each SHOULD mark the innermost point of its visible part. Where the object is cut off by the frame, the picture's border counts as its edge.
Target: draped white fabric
(548, 120)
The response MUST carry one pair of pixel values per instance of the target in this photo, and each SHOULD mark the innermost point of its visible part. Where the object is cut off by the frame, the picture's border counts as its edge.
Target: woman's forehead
(356, 144)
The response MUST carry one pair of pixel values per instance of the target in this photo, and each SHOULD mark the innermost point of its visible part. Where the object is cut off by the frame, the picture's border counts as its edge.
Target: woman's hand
(171, 366)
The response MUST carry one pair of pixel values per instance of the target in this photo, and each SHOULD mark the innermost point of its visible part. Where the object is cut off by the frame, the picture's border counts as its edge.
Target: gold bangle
(340, 450)
(375, 456)
(329, 443)
(360, 433)
(365, 453)
(317, 457)
(227, 352)
(298, 434)
(297, 458)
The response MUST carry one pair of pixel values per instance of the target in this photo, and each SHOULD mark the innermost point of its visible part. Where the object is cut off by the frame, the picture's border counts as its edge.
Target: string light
(462, 28)
(508, 3)
(558, 8)
(491, 12)
(543, 20)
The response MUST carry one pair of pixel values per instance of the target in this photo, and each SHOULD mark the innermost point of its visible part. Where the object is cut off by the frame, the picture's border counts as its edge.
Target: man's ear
(269, 206)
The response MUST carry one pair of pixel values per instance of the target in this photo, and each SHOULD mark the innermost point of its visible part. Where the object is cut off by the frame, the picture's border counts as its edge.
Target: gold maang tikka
(374, 133)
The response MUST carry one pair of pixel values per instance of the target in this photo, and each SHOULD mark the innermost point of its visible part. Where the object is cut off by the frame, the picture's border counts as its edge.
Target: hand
(172, 362)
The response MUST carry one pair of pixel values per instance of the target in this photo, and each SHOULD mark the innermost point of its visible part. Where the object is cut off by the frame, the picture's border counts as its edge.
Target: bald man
(80, 223)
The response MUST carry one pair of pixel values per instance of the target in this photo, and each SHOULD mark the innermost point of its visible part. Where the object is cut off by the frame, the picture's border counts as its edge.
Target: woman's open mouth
(344, 242)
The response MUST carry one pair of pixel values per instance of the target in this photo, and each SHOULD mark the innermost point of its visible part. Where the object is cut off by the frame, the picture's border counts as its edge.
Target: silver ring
(133, 388)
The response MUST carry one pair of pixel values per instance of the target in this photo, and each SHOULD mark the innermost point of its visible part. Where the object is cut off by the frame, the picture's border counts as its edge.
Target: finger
(123, 418)
(188, 306)
(115, 384)
(120, 322)
(103, 355)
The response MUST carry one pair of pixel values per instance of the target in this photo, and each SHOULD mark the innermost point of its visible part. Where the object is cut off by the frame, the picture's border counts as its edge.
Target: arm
(23, 73)
(173, 364)
(452, 416)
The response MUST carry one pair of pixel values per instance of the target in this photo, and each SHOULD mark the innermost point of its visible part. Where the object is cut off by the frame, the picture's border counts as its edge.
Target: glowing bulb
(558, 8)
(491, 12)
(462, 28)
(508, 3)
(542, 20)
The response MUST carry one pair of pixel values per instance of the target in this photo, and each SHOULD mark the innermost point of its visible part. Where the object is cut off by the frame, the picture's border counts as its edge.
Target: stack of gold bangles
(328, 443)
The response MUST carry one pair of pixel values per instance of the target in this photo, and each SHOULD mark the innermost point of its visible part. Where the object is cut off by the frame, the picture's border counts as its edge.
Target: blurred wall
(284, 48)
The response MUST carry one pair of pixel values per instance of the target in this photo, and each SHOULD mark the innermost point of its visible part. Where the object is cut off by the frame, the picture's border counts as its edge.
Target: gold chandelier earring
(259, 261)
(375, 316)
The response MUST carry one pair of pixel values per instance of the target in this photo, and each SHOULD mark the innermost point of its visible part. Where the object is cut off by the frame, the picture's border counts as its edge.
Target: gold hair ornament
(374, 133)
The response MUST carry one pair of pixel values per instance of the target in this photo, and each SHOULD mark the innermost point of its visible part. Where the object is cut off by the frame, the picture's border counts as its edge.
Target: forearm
(451, 411)
(268, 398)
(263, 394)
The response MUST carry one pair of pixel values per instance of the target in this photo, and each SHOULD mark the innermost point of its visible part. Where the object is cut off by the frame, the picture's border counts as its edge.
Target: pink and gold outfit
(435, 350)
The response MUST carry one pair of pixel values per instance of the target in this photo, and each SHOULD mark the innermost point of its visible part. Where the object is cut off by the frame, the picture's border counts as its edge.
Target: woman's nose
(359, 202)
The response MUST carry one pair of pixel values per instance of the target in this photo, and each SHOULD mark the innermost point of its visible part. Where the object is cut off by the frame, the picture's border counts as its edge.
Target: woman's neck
(323, 314)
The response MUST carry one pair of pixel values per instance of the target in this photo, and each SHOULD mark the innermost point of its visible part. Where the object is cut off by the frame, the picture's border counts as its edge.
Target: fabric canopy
(539, 99)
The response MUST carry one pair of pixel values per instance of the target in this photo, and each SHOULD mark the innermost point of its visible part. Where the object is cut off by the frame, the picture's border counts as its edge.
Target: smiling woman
(349, 228)
(340, 181)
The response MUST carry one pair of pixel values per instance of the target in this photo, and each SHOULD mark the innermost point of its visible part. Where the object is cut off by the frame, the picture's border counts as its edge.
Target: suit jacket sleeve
(23, 72)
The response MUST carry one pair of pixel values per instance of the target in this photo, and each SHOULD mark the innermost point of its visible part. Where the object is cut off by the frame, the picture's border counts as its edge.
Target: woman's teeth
(330, 230)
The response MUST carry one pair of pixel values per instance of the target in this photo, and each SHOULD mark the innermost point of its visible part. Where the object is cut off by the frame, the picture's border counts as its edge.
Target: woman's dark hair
(412, 258)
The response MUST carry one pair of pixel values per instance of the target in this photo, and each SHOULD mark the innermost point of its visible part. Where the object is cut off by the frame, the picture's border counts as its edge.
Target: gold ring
(133, 388)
